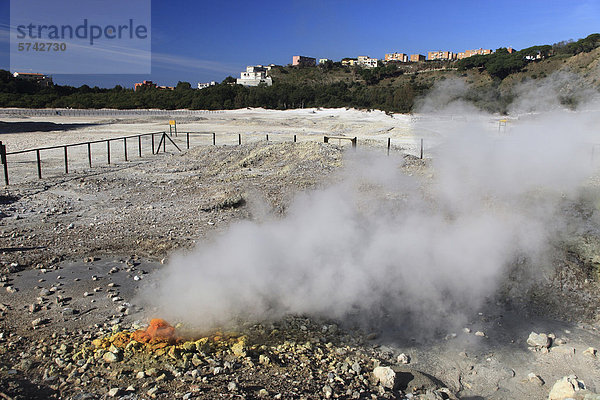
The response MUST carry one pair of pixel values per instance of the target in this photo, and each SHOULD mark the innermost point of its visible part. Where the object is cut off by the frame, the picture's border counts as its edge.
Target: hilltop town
(259, 74)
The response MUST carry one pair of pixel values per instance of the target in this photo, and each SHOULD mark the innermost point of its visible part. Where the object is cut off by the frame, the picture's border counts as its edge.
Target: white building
(205, 85)
(367, 62)
(254, 76)
(323, 60)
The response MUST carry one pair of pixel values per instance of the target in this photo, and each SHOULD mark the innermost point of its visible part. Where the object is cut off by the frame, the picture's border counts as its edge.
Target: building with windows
(40, 79)
(417, 57)
(143, 84)
(254, 76)
(440, 55)
(303, 61)
(205, 85)
(470, 53)
(323, 60)
(366, 62)
(401, 57)
(349, 62)
(150, 84)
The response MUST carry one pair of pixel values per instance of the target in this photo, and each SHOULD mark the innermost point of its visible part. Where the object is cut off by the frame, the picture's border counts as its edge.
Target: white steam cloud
(432, 246)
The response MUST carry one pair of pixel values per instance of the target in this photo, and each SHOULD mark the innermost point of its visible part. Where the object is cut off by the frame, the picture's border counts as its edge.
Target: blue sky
(199, 41)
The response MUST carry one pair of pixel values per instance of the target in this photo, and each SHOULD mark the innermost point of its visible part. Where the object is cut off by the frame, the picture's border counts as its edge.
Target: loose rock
(566, 388)
(539, 341)
(385, 376)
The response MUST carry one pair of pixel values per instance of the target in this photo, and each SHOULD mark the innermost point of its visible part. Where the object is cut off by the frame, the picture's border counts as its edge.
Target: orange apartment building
(470, 53)
(402, 57)
(440, 55)
(417, 57)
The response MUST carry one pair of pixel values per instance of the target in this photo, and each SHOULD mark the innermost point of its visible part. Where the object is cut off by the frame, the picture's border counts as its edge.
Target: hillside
(567, 70)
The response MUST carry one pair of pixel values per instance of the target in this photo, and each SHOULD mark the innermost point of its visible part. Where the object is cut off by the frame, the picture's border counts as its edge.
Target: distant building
(303, 61)
(417, 57)
(366, 62)
(531, 57)
(349, 62)
(205, 85)
(440, 55)
(510, 50)
(254, 76)
(396, 57)
(150, 84)
(323, 60)
(40, 79)
(143, 84)
(471, 53)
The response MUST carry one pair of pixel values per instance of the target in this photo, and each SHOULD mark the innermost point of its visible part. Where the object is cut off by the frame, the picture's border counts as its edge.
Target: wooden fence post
(66, 161)
(39, 164)
(4, 161)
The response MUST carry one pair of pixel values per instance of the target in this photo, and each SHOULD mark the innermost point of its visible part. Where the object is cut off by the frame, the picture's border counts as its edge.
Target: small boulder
(109, 357)
(566, 388)
(403, 359)
(539, 341)
(385, 376)
(590, 351)
(327, 391)
(535, 379)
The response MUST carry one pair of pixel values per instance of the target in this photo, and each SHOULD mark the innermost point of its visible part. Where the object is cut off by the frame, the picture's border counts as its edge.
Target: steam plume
(433, 245)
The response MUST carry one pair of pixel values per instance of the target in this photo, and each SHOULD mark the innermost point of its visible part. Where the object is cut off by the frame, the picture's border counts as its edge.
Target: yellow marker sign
(172, 122)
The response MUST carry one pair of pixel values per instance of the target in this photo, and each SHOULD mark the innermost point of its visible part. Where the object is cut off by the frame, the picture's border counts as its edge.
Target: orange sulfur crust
(158, 331)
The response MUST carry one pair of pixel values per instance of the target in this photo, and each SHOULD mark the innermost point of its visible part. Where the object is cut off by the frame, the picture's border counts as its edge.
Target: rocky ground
(76, 248)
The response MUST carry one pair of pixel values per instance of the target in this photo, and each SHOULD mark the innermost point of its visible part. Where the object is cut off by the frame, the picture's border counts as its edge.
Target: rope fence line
(141, 141)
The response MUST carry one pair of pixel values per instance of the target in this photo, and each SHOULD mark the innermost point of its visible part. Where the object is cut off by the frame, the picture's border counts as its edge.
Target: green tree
(181, 86)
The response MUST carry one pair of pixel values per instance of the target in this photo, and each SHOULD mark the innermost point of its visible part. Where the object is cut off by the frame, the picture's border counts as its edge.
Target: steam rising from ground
(386, 242)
